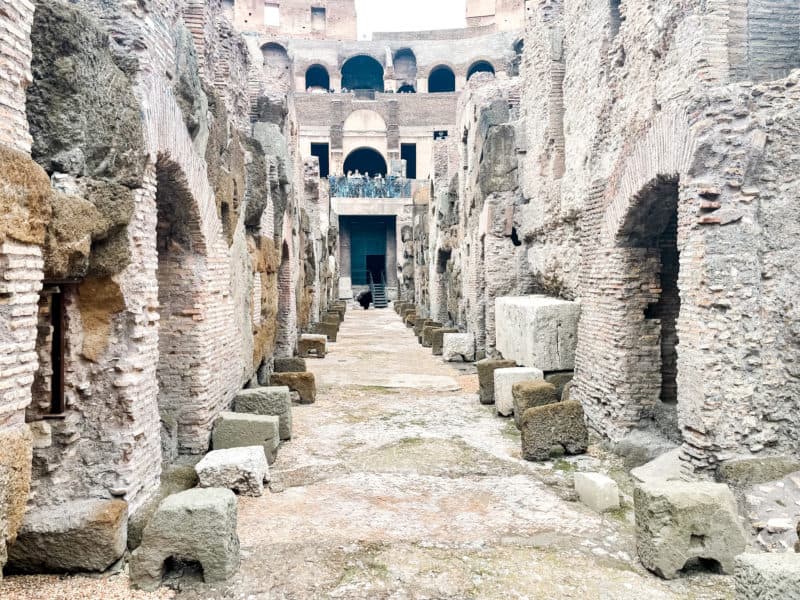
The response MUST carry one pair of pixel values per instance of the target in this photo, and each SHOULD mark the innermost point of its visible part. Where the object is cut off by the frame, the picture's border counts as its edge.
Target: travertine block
(243, 470)
(504, 380)
(458, 347)
(537, 331)
(273, 401)
(597, 491)
(237, 430)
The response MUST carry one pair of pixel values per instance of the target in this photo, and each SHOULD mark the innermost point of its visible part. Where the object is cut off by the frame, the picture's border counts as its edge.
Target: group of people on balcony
(357, 185)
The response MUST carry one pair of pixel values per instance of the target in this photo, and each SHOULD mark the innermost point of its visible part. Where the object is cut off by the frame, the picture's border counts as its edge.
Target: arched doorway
(405, 67)
(276, 67)
(407, 89)
(481, 66)
(362, 73)
(442, 79)
(317, 79)
(366, 160)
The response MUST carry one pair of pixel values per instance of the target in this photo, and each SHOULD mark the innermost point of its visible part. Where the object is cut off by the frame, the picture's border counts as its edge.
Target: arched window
(276, 67)
(365, 160)
(407, 89)
(480, 67)
(405, 66)
(317, 78)
(441, 79)
(362, 73)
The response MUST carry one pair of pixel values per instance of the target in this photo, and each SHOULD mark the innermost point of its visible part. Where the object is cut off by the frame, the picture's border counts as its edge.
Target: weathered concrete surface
(768, 576)
(680, 521)
(87, 535)
(538, 331)
(422, 492)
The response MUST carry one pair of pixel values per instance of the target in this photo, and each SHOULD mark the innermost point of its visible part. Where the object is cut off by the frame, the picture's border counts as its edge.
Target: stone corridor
(399, 484)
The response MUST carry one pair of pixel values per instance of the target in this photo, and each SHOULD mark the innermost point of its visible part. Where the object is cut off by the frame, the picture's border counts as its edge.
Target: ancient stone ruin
(581, 212)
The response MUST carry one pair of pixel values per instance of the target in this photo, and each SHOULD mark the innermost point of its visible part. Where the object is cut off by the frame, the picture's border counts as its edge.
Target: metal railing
(374, 187)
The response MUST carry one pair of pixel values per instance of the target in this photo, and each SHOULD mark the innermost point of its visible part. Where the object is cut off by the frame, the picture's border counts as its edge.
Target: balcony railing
(374, 187)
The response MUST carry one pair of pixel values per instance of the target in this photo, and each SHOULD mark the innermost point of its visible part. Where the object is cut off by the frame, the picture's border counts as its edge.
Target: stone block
(527, 394)
(239, 430)
(745, 472)
(311, 346)
(410, 317)
(290, 365)
(329, 330)
(486, 369)
(270, 401)
(560, 380)
(767, 576)
(537, 331)
(16, 453)
(198, 525)
(302, 383)
(458, 347)
(419, 324)
(504, 380)
(553, 430)
(437, 339)
(243, 470)
(400, 307)
(425, 338)
(333, 316)
(677, 522)
(85, 535)
(565, 393)
(597, 491)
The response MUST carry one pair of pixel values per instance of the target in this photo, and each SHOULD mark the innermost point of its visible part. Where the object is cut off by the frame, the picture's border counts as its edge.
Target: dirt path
(399, 484)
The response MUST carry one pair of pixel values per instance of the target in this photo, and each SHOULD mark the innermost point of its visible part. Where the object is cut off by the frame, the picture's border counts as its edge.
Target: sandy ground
(399, 484)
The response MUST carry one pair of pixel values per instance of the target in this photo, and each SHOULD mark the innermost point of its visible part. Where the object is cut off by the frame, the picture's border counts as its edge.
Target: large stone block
(329, 330)
(290, 365)
(537, 331)
(767, 576)
(302, 383)
(427, 331)
(504, 380)
(312, 346)
(528, 394)
(15, 477)
(85, 535)
(458, 347)
(681, 521)
(419, 324)
(552, 430)
(437, 339)
(235, 430)
(271, 401)
(243, 470)
(486, 369)
(198, 525)
(597, 491)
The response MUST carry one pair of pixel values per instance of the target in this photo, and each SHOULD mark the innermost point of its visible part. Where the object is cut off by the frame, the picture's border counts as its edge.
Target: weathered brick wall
(15, 26)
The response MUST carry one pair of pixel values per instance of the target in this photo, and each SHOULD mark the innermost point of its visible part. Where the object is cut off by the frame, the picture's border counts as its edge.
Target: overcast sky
(408, 15)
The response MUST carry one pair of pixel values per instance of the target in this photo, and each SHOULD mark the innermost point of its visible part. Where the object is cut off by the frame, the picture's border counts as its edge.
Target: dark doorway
(317, 79)
(365, 160)
(480, 67)
(362, 73)
(322, 152)
(408, 153)
(441, 80)
(407, 89)
(58, 319)
(376, 266)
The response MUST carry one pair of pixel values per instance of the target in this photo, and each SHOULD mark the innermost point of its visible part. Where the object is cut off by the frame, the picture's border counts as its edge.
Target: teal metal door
(367, 238)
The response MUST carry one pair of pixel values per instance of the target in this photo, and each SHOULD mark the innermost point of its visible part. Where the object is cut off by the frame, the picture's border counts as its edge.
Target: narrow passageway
(399, 484)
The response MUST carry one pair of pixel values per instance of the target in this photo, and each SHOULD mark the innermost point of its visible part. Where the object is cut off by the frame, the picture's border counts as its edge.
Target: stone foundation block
(486, 369)
(679, 521)
(425, 338)
(458, 347)
(528, 394)
(597, 491)
(560, 380)
(243, 470)
(329, 330)
(270, 401)
(237, 430)
(399, 307)
(537, 331)
(302, 383)
(333, 316)
(410, 317)
(311, 346)
(767, 576)
(553, 430)
(504, 380)
(419, 324)
(198, 525)
(437, 339)
(16, 453)
(85, 535)
(290, 365)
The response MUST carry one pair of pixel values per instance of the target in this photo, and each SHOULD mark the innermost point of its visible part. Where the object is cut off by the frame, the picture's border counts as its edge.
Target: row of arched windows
(363, 72)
